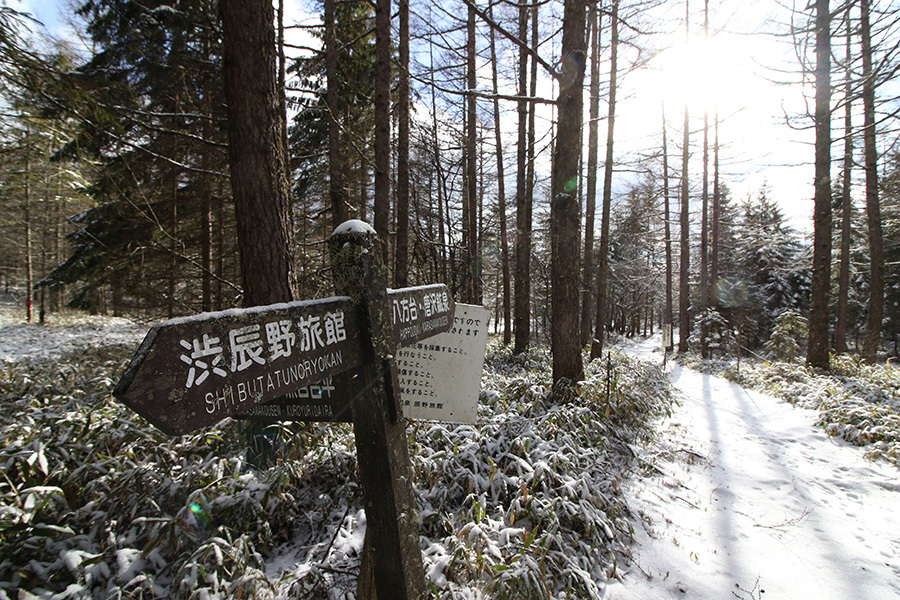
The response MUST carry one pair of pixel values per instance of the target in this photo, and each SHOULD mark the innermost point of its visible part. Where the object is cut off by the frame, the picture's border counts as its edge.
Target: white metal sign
(440, 378)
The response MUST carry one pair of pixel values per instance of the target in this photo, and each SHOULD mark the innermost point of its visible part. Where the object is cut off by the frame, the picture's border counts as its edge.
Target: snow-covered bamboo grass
(95, 503)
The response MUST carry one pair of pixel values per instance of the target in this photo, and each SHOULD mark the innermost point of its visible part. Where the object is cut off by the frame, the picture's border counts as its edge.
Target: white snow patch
(750, 499)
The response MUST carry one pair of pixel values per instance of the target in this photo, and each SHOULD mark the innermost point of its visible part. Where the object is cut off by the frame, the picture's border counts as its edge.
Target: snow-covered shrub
(525, 504)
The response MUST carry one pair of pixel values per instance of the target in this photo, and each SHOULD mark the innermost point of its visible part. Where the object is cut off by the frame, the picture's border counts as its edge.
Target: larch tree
(564, 203)
(522, 318)
(817, 353)
(401, 248)
(873, 207)
(603, 265)
(843, 297)
(501, 196)
(684, 290)
(587, 283)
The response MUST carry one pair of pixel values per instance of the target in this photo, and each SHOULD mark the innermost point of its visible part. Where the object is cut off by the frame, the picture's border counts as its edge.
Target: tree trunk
(667, 317)
(256, 158)
(684, 291)
(565, 221)
(603, 266)
(401, 249)
(714, 254)
(587, 282)
(840, 326)
(704, 218)
(817, 354)
(523, 210)
(335, 163)
(473, 269)
(501, 198)
(382, 198)
(29, 259)
(873, 208)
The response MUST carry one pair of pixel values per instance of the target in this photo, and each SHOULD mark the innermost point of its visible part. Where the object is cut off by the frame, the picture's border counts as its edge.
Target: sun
(706, 74)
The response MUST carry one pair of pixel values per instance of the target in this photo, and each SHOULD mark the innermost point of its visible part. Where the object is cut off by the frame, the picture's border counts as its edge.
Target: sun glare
(707, 73)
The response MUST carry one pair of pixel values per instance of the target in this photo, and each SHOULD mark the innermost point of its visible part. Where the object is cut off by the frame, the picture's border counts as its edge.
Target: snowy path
(751, 500)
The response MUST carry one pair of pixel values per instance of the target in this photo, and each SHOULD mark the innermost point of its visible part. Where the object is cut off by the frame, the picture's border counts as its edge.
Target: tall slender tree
(523, 205)
(684, 290)
(873, 206)
(501, 196)
(401, 249)
(565, 218)
(587, 282)
(817, 353)
(603, 265)
(843, 297)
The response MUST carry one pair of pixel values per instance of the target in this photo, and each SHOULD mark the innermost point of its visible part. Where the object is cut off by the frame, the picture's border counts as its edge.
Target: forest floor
(747, 497)
(737, 494)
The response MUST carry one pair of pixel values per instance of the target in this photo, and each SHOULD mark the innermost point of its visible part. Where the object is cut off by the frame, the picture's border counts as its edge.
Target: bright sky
(733, 69)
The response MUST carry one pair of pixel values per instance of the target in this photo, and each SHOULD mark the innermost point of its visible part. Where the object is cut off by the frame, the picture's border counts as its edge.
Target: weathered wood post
(380, 430)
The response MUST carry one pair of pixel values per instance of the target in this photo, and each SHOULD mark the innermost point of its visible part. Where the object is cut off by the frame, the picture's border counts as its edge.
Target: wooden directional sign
(192, 372)
(417, 313)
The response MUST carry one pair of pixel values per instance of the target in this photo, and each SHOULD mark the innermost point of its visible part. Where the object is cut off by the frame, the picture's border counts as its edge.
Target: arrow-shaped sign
(194, 371)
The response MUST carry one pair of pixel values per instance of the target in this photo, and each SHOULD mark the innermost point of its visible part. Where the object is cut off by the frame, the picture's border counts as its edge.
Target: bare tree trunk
(873, 207)
(704, 218)
(817, 354)
(29, 259)
(684, 290)
(501, 197)
(667, 317)
(565, 217)
(401, 250)
(473, 268)
(714, 255)
(335, 163)
(587, 282)
(603, 266)
(383, 123)
(256, 157)
(523, 209)
(840, 326)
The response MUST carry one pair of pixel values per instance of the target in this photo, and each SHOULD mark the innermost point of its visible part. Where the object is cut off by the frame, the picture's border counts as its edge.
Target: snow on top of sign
(353, 226)
(240, 312)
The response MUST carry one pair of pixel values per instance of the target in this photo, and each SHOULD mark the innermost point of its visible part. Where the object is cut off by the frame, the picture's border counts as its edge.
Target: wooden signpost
(195, 371)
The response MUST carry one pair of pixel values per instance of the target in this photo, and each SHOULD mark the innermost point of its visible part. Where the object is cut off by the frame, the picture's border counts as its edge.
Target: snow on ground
(62, 333)
(747, 498)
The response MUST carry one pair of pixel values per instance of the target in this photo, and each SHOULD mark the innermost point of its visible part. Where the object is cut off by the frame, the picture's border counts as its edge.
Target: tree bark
(840, 326)
(256, 158)
(401, 249)
(704, 218)
(501, 198)
(473, 266)
(873, 207)
(523, 209)
(817, 353)
(667, 317)
(603, 266)
(335, 164)
(382, 217)
(565, 210)
(587, 282)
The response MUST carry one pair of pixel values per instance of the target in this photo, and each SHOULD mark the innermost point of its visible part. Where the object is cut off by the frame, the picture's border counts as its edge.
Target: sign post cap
(353, 226)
